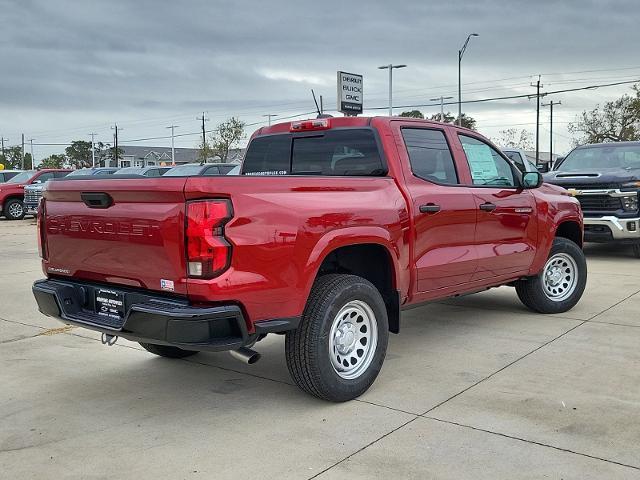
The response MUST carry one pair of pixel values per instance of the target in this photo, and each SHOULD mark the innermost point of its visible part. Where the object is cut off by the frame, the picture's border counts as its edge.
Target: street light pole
(391, 67)
(33, 163)
(442, 99)
(173, 150)
(271, 115)
(550, 105)
(93, 150)
(460, 55)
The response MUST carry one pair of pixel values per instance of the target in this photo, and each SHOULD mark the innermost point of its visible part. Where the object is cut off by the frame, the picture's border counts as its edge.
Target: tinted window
(429, 155)
(268, 155)
(212, 171)
(186, 170)
(129, 171)
(516, 158)
(331, 152)
(225, 169)
(81, 172)
(337, 152)
(23, 177)
(44, 177)
(619, 156)
(152, 172)
(60, 174)
(487, 166)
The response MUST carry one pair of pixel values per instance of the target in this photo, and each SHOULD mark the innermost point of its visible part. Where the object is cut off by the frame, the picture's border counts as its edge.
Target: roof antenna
(316, 102)
(320, 114)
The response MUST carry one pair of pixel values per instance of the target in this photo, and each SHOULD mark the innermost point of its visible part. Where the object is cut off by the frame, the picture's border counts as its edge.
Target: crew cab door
(506, 233)
(444, 212)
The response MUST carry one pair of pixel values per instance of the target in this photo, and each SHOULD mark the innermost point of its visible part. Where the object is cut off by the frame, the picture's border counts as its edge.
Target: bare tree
(514, 138)
(615, 121)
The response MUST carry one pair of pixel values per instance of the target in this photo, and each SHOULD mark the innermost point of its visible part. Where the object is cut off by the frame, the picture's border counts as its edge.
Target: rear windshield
(184, 170)
(615, 156)
(332, 152)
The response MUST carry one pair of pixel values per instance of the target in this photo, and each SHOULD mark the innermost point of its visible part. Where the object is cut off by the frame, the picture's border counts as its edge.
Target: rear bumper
(611, 228)
(149, 318)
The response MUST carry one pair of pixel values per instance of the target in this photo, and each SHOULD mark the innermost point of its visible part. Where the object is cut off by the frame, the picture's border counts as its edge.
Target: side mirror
(531, 180)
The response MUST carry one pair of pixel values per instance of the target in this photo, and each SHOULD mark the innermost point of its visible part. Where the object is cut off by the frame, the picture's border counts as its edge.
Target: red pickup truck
(12, 191)
(334, 226)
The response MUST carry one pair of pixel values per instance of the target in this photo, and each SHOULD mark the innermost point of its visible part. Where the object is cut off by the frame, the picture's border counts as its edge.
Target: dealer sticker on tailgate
(109, 304)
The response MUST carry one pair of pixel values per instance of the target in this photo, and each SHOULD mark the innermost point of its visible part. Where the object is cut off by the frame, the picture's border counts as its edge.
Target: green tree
(28, 161)
(106, 154)
(227, 135)
(412, 114)
(12, 157)
(79, 154)
(615, 121)
(205, 152)
(54, 161)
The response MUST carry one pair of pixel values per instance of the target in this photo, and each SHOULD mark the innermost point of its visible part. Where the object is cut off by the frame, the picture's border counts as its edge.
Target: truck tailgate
(136, 240)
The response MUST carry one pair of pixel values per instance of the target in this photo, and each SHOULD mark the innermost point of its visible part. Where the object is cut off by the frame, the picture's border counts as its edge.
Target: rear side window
(429, 155)
(349, 152)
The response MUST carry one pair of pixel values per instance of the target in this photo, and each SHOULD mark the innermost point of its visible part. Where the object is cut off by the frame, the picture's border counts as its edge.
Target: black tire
(14, 209)
(636, 250)
(531, 291)
(307, 348)
(167, 350)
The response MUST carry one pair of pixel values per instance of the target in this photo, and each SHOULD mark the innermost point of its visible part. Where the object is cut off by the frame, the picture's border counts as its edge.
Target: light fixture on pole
(391, 67)
(442, 99)
(270, 116)
(460, 55)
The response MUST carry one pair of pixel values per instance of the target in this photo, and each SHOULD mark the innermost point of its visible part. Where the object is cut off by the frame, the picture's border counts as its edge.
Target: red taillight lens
(318, 124)
(42, 239)
(208, 252)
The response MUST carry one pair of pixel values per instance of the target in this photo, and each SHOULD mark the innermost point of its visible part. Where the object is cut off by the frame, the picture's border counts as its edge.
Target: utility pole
(3, 140)
(173, 150)
(391, 67)
(460, 55)
(321, 106)
(550, 105)
(115, 143)
(33, 162)
(93, 150)
(22, 162)
(269, 115)
(203, 118)
(442, 99)
(538, 95)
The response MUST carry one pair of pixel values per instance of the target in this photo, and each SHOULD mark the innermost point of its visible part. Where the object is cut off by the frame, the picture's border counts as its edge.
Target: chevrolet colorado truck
(332, 228)
(605, 178)
(12, 192)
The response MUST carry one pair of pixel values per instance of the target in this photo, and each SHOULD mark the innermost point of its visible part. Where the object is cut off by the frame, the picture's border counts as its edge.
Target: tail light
(41, 222)
(306, 125)
(208, 252)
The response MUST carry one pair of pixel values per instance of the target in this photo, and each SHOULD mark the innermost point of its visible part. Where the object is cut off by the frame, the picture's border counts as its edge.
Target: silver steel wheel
(560, 277)
(16, 209)
(353, 339)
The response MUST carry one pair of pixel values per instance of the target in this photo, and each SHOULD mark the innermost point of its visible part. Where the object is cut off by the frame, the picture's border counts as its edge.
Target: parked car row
(21, 190)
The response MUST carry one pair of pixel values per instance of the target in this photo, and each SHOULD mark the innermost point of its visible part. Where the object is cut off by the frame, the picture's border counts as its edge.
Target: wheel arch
(571, 230)
(373, 257)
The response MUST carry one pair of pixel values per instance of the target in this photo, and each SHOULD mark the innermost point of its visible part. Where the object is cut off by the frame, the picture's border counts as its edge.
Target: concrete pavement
(476, 387)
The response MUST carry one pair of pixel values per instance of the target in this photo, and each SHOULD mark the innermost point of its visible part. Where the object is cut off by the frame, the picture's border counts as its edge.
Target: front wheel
(338, 349)
(560, 284)
(14, 209)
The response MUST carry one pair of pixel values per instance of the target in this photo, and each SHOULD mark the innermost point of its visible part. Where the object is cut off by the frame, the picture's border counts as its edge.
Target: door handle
(488, 206)
(429, 208)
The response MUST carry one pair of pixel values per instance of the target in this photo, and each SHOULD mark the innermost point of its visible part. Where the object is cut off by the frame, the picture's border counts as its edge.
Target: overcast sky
(68, 68)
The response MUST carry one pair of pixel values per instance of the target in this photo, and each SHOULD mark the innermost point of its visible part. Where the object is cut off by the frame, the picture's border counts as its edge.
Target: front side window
(487, 166)
(429, 155)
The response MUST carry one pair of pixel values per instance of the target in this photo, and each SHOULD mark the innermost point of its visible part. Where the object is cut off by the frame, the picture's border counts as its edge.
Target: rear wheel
(338, 349)
(14, 209)
(167, 350)
(560, 284)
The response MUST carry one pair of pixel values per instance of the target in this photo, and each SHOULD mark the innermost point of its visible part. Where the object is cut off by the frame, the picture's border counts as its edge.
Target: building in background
(138, 156)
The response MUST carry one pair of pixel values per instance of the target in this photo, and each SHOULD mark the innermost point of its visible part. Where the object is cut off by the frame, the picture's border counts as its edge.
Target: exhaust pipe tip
(245, 355)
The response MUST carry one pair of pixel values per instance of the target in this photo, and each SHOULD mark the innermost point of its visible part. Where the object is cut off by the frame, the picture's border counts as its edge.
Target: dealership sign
(349, 93)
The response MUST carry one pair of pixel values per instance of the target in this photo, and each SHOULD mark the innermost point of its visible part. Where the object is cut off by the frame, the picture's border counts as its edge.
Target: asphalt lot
(476, 387)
